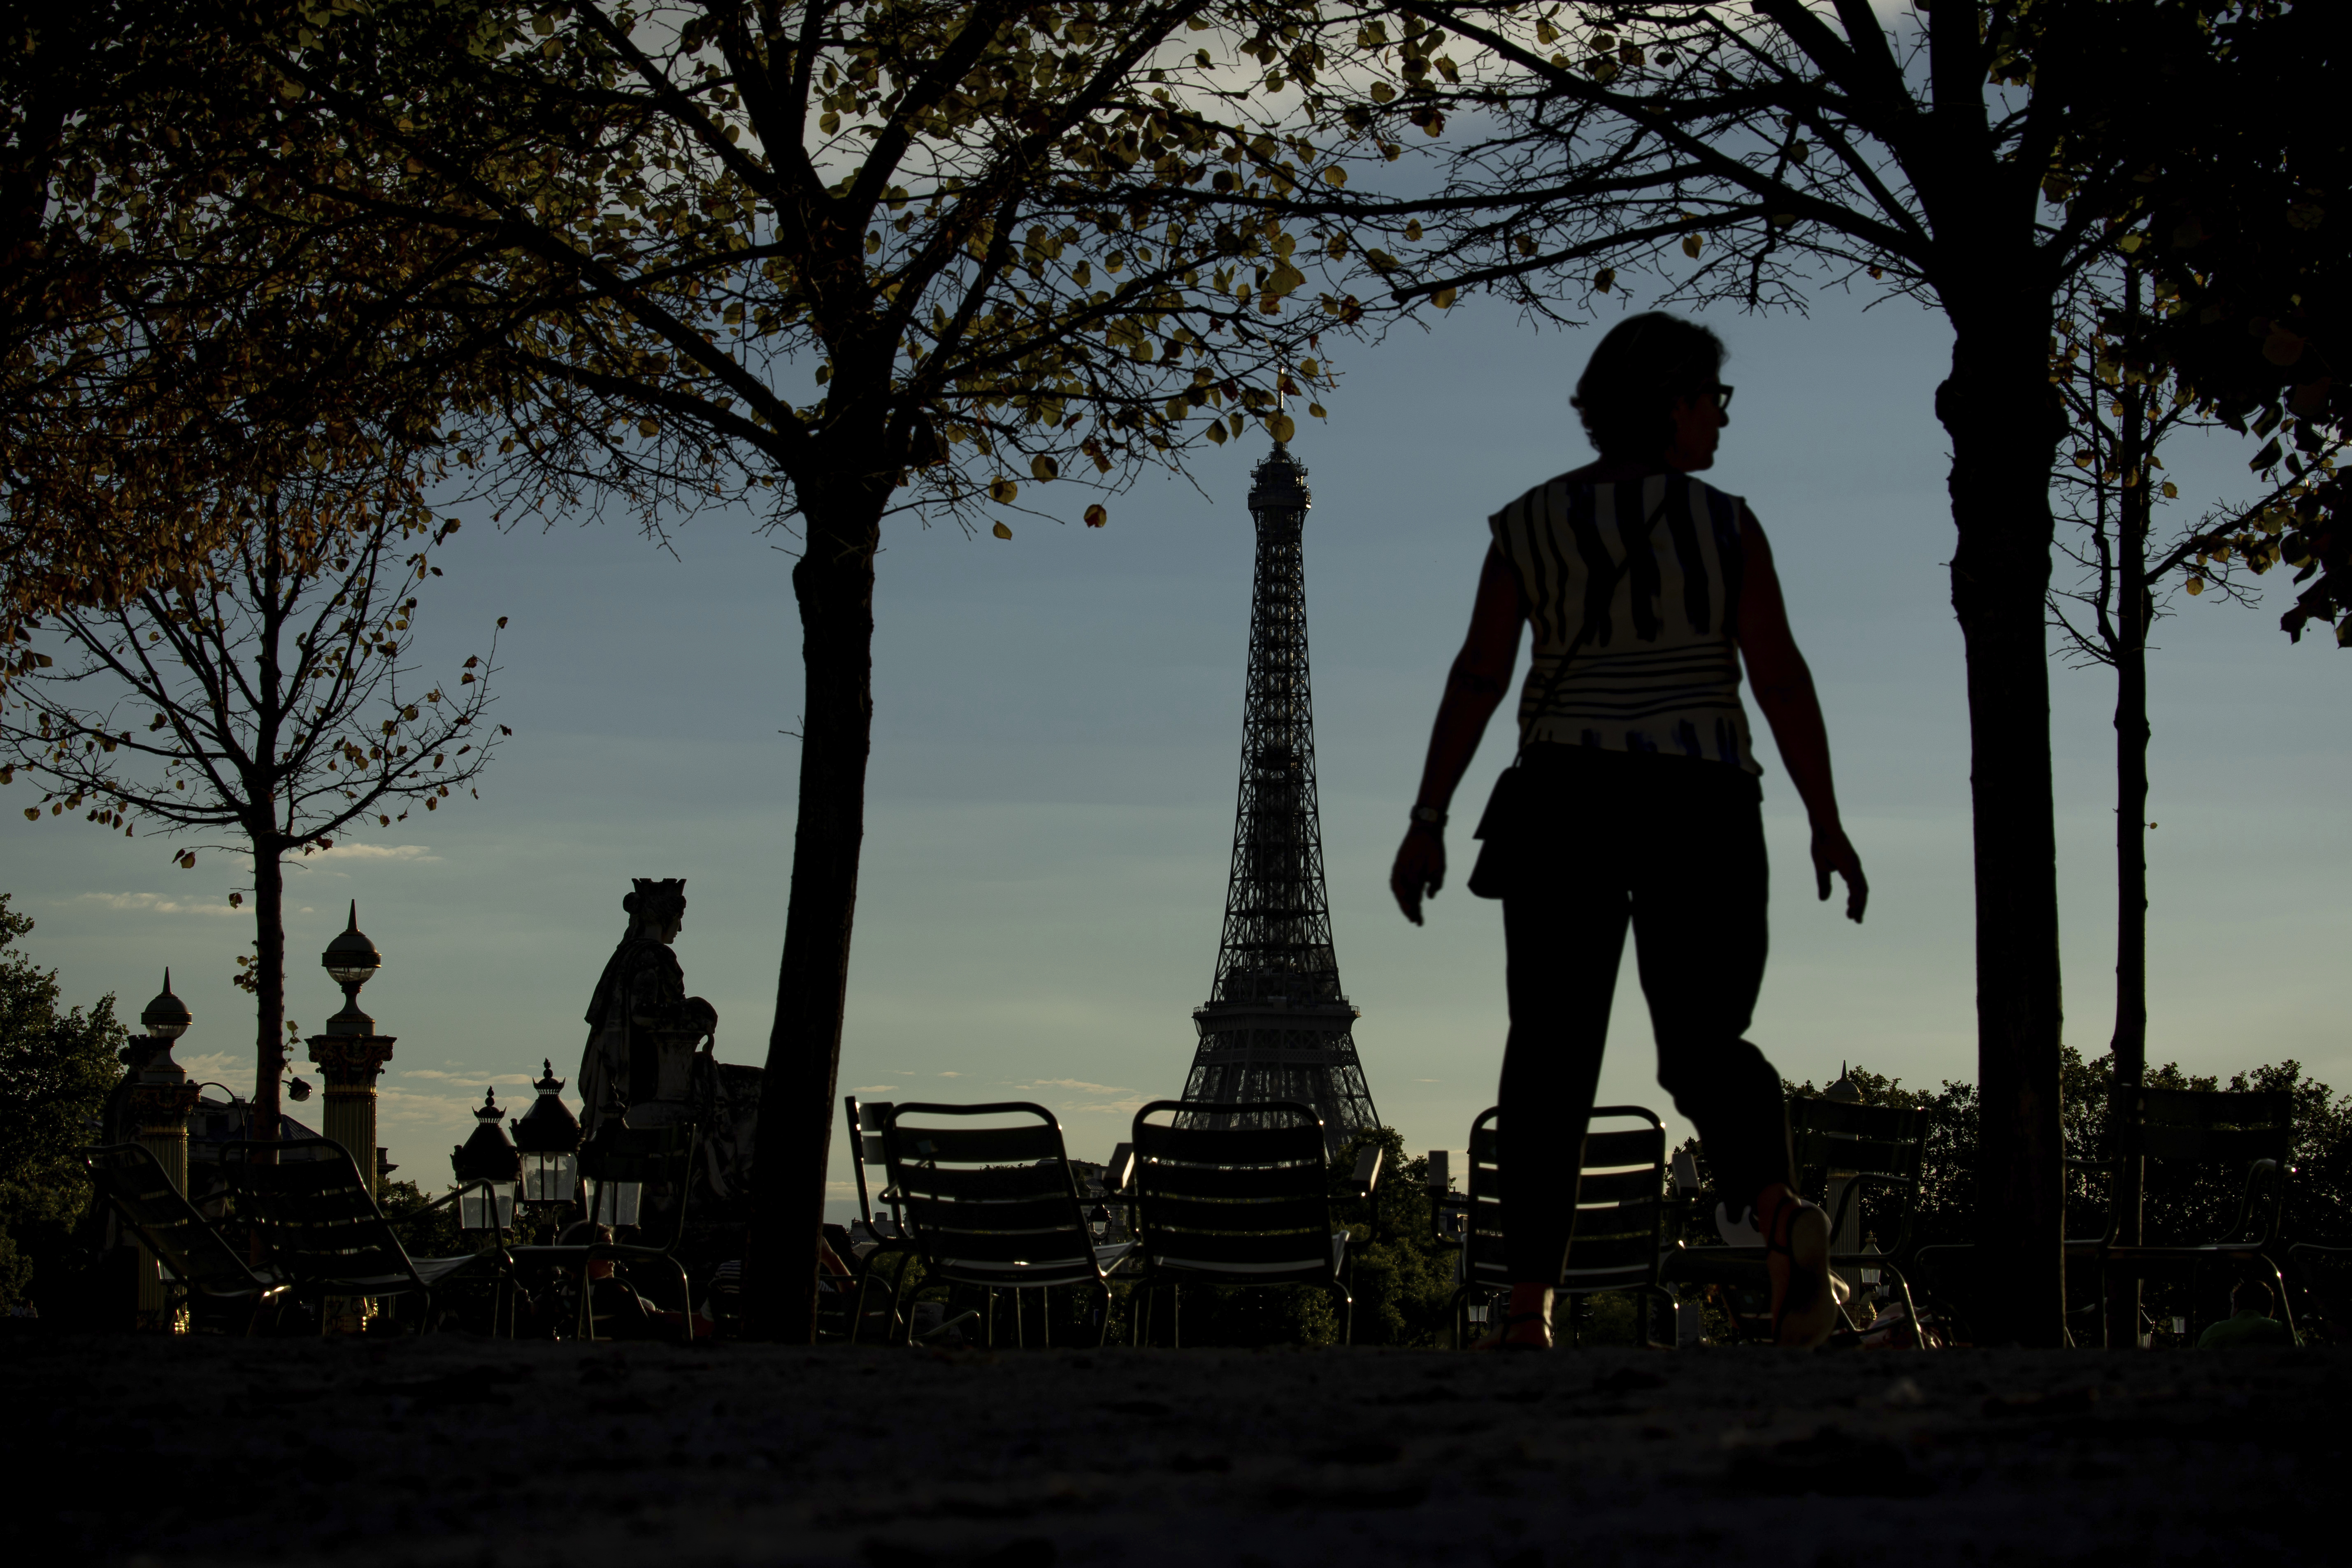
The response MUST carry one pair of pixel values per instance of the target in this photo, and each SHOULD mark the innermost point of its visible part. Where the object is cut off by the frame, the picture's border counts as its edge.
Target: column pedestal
(161, 1100)
(351, 1065)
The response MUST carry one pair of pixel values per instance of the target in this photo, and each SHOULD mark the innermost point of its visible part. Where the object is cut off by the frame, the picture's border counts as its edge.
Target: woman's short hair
(1628, 386)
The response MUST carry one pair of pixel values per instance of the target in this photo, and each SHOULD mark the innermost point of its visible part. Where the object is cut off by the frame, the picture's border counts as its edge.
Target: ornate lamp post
(548, 1138)
(487, 1168)
(349, 1054)
(160, 1099)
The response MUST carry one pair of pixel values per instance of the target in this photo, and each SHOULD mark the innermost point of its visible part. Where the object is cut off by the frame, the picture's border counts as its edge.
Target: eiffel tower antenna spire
(1276, 1026)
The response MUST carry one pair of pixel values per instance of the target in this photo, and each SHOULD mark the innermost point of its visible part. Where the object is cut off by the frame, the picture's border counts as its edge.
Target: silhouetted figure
(2250, 1325)
(1634, 796)
(642, 1026)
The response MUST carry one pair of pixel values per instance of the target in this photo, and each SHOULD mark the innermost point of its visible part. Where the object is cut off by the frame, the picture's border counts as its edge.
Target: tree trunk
(1998, 409)
(2128, 1049)
(269, 983)
(834, 584)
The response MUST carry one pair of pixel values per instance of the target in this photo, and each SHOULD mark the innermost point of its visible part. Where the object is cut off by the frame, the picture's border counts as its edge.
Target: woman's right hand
(1420, 868)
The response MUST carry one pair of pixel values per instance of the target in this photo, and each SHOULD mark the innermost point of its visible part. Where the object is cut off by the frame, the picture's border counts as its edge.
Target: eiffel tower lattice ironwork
(1276, 1026)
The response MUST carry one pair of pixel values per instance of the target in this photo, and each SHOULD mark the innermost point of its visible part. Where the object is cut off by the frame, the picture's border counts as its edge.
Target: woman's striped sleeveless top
(1660, 672)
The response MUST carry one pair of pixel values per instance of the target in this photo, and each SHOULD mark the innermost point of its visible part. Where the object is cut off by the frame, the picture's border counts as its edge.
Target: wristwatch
(1429, 816)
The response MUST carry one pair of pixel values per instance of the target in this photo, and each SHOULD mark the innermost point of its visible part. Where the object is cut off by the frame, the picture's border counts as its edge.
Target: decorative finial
(167, 1018)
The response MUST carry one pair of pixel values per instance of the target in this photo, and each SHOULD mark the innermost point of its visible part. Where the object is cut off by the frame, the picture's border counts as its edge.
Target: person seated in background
(2250, 1325)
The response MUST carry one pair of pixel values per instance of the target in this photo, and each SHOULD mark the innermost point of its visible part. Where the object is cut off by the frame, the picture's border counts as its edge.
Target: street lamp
(612, 1180)
(486, 1167)
(548, 1138)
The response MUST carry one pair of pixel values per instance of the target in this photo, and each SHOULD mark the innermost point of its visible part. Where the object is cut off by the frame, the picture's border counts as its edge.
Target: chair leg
(2286, 1309)
(1102, 1336)
(1911, 1308)
(1347, 1312)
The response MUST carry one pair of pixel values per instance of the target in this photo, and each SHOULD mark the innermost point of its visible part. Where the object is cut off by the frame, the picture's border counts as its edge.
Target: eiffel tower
(1276, 1026)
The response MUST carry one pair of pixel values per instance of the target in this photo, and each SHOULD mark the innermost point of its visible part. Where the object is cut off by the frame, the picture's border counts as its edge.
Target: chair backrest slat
(1307, 1213)
(1277, 1145)
(2238, 1146)
(1303, 1249)
(1612, 1151)
(1237, 1182)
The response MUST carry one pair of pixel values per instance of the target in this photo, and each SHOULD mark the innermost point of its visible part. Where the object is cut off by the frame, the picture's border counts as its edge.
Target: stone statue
(643, 1029)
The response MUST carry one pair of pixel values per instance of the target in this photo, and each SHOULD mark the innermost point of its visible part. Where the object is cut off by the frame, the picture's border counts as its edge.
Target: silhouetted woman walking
(1636, 797)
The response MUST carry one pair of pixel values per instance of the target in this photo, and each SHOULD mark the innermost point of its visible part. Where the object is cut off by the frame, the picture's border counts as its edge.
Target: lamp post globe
(167, 1018)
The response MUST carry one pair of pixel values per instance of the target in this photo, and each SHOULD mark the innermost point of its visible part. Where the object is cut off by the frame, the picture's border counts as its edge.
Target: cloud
(950, 1075)
(157, 904)
(1093, 1098)
(439, 1074)
(232, 1068)
(874, 1088)
(417, 853)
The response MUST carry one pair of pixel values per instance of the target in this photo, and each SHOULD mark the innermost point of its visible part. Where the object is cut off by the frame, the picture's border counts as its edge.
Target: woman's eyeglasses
(1722, 395)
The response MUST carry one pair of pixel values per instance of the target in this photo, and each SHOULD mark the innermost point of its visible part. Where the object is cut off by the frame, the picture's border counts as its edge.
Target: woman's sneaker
(1797, 1261)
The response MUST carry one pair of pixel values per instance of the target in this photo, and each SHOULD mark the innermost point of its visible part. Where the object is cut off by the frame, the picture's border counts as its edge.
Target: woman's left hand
(1420, 869)
(1832, 852)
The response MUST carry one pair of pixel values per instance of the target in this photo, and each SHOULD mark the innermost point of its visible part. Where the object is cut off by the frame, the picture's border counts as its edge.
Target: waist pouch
(1551, 791)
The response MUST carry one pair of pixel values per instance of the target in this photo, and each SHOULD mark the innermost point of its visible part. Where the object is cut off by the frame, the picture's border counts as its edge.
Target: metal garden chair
(1843, 1151)
(884, 1239)
(994, 1206)
(325, 1234)
(623, 1172)
(1620, 1210)
(1240, 1205)
(198, 1262)
(2234, 1129)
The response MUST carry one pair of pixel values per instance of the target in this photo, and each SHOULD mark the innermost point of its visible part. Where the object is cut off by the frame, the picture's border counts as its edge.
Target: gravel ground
(466, 1452)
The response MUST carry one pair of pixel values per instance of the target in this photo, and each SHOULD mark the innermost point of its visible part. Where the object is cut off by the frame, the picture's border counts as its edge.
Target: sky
(1057, 729)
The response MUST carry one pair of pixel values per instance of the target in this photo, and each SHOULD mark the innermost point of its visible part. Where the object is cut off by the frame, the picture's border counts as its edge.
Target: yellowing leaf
(1217, 431)
(1335, 175)
(1280, 427)
(1043, 468)
(1097, 517)
(649, 429)
(1317, 410)
(2282, 347)
(1443, 299)
(1690, 246)
(1001, 532)
(1002, 491)
(2172, 491)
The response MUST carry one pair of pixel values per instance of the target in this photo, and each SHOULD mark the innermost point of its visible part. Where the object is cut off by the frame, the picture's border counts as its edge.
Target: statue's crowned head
(655, 903)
